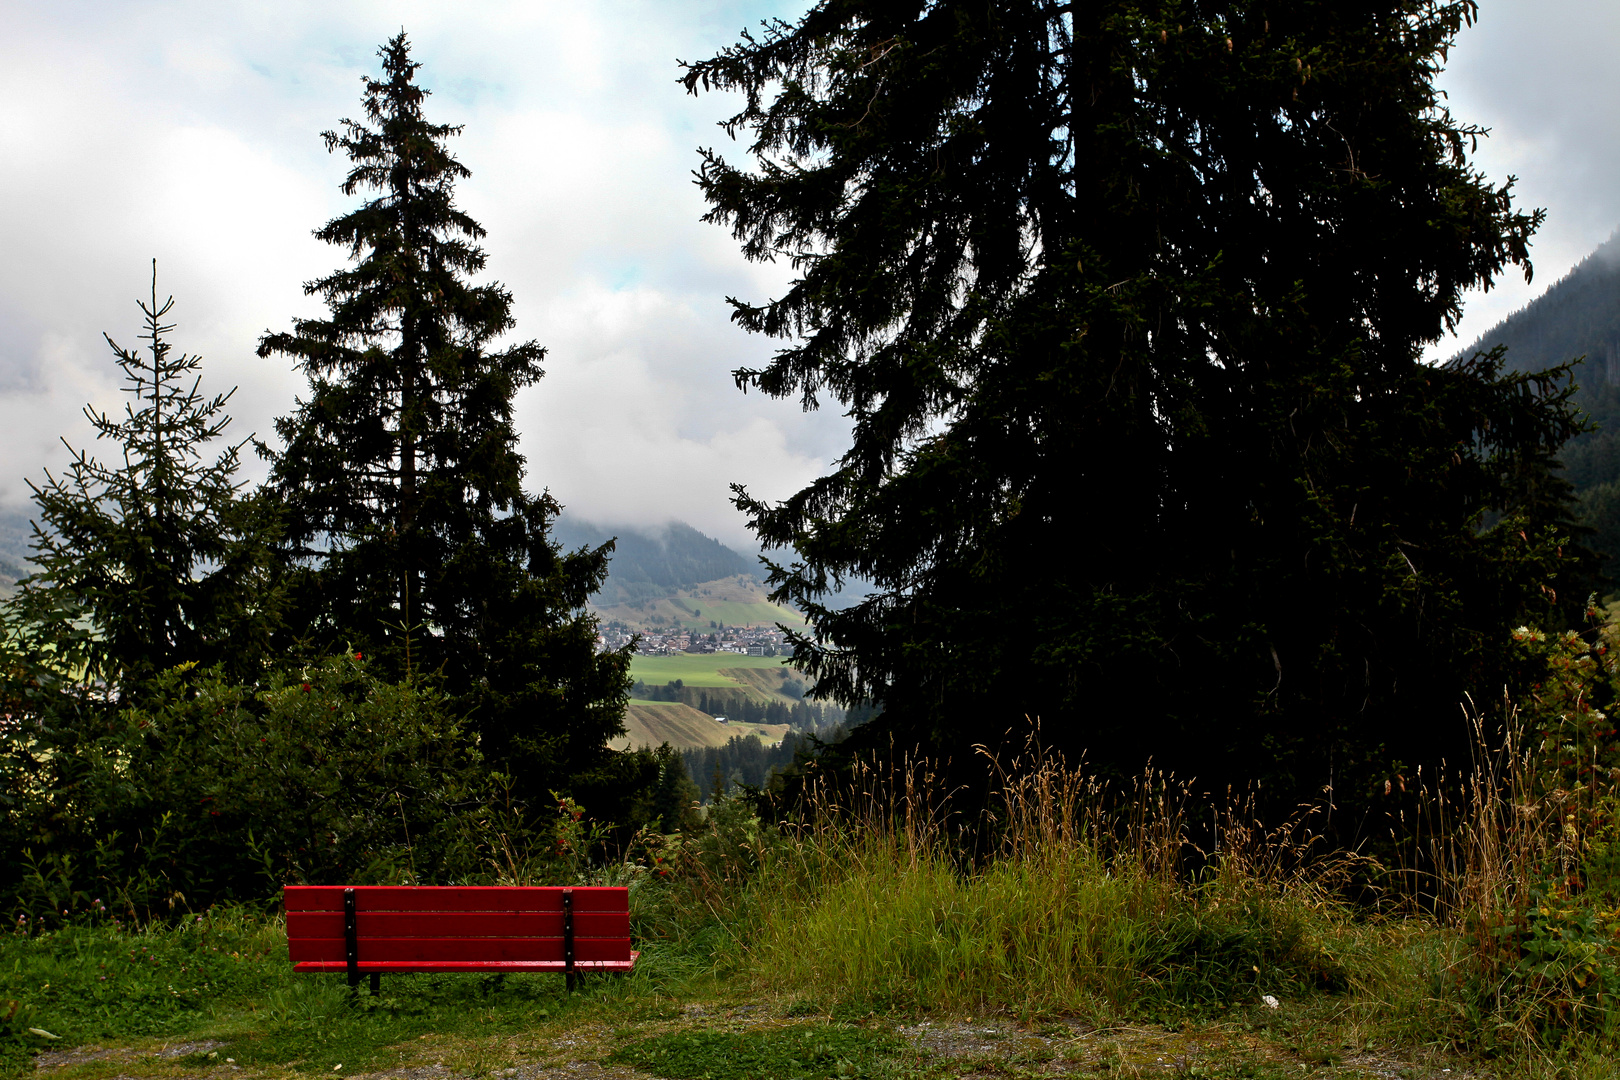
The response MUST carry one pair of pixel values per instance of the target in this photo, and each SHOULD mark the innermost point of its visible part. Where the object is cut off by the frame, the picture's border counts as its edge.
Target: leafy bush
(219, 791)
(1538, 857)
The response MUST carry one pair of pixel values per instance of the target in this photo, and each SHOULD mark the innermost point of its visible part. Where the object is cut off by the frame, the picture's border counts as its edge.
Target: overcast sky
(189, 132)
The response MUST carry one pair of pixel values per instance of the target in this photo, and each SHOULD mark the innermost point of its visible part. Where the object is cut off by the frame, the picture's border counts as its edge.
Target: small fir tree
(153, 559)
(407, 518)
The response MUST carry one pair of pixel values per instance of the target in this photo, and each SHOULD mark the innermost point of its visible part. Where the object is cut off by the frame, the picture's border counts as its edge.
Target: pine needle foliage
(1126, 303)
(400, 471)
(152, 558)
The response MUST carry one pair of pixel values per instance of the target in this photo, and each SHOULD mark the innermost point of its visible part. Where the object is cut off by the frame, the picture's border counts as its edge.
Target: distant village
(742, 640)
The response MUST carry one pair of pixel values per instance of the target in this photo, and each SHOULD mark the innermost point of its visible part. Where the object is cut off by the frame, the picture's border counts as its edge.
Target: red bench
(371, 929)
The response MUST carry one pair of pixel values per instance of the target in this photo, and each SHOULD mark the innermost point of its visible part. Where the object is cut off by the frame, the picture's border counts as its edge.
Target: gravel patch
(59, 1059)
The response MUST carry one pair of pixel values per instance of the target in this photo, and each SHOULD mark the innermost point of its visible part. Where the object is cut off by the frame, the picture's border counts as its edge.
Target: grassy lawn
(218, 999)
(697, 669)
(739, 613)
(857, 944)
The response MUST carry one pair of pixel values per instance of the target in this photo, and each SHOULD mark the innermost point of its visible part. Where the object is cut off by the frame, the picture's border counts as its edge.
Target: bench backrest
(403, 924)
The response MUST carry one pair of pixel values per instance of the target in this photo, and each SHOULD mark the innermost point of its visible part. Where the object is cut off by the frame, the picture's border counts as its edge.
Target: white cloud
(1539, 74)
(189, 132)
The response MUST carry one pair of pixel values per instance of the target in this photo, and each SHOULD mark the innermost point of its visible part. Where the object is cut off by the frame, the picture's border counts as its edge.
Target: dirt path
(934, 1049)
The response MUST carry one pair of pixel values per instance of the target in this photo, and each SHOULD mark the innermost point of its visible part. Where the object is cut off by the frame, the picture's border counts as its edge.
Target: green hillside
(734, 601)
(700, 669)
(649, 563)
(653, 723)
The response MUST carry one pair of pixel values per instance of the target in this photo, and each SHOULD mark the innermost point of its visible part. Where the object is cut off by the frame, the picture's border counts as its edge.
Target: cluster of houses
(742, 640)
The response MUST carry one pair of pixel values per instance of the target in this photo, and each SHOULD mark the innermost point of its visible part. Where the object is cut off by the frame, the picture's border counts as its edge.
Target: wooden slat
(463, 924)
(606, 898)
(449, 949)
(427, 967)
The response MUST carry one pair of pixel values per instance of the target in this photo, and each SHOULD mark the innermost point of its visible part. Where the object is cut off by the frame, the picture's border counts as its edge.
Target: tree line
(369, 667)
(739, 704)
(1126, 303)
(745, 762)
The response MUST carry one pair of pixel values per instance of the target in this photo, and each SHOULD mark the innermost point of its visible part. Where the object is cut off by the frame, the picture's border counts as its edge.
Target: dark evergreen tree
(676, 795)
(152, 558)
(401, 475)
(1137, 292)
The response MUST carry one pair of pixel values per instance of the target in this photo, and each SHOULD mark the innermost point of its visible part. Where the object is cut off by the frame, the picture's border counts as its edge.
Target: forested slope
(650, 563)
(1579, 317)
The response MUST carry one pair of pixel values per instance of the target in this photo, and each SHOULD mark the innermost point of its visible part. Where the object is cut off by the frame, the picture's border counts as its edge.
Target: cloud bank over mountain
(190, 132)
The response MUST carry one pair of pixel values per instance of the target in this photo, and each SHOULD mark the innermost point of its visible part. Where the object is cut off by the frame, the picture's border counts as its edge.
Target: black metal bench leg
(351, 940)
(568, 937)
(376, 983)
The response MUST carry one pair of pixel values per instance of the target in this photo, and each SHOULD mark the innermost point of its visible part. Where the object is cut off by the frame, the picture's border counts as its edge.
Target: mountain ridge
(1577, 317)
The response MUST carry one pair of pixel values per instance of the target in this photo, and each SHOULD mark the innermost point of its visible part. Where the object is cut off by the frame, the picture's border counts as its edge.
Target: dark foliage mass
(1126, 302)
(380, 668)
(745, 761)
(400, 474)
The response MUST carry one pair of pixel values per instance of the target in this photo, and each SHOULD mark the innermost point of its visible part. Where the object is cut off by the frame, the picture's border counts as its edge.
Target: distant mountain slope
(650, 563)
(706, 606)
(15, 533)
(1579, 315)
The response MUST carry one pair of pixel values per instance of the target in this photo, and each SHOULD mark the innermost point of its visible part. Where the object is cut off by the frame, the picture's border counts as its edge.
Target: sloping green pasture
(698, 669)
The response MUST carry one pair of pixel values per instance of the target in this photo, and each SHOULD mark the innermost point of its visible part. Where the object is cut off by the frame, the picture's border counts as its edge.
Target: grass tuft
(799, 1052)
(1081, 909)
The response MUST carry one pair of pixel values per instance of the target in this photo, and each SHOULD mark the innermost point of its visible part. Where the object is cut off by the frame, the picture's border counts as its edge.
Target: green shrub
(217, 791)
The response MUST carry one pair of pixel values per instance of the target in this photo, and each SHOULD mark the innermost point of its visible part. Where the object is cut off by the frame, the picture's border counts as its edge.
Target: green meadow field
(738, 613)
(649, 723)
(698, 669)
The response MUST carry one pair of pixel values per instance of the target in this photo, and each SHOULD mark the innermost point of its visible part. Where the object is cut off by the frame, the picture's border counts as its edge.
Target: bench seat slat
(469, 924)
(455, 898)
(430, 966)
(385, 928)
(445, 949)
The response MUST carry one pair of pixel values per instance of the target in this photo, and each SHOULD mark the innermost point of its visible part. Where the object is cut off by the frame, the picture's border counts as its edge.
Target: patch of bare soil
(61, 1059)
(576, 1070)
(179, 1050)
(985, 1048)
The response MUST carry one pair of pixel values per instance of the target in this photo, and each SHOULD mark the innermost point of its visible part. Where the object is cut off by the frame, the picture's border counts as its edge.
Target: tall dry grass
(1079, 900)
(1518, 856)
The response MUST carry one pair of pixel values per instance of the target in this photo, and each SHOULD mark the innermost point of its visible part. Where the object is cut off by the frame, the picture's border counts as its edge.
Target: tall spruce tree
(1126, 301)
(152, 558)
(400, 473)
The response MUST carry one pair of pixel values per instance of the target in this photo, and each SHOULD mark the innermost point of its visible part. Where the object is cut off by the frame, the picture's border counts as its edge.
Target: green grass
(697, 669)
(799, 1052)
(739, 613)
(879, 918)
(226, 978)
(820, 953)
